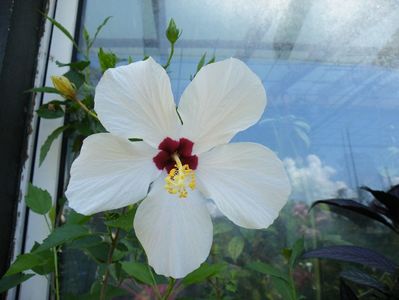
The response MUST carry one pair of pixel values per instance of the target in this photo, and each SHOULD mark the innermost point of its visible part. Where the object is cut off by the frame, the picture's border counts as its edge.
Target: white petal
(224, 98)
(176, 233)
(136, 101)
(110, 173)
(247, 182)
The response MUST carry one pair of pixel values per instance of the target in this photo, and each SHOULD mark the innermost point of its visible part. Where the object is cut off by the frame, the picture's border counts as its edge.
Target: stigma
(176, 158)
(179, 178)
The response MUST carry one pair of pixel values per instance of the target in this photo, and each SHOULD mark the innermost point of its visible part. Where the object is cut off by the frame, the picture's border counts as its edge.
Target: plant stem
(172, 51)
(169, 290)
(55, 257)
(154, 283)
(317, 262)
(109, 261)
(292, 283)
(56, 276)
(84, 107)
(215, 285)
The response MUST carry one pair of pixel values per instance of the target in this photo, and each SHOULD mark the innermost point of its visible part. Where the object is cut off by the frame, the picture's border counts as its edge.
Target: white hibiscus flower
(178, 166)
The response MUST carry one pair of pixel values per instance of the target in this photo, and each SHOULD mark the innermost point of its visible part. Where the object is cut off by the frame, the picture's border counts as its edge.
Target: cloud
(312, 180)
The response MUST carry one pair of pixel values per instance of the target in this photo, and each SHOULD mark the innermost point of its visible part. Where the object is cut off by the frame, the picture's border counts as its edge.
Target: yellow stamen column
(180, 177)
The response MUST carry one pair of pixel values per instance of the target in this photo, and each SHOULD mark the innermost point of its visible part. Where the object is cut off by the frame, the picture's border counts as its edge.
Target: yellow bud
(64, 86)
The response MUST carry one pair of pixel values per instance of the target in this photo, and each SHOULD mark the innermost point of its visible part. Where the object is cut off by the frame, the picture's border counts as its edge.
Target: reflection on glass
(330, 72)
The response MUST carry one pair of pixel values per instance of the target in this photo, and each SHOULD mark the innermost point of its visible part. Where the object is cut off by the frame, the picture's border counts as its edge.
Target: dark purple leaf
(363, 279)
(351, 205)
(354, 254)
(346, 292)
(394, 191)
(390, 201)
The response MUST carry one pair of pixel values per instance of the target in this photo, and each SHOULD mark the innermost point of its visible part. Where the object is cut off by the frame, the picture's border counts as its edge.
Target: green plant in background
(283, 280)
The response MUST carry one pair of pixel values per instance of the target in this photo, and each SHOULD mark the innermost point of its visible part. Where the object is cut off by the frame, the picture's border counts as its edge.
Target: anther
(180, 177)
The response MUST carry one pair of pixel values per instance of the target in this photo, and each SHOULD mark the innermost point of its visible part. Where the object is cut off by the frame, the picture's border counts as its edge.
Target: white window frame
(31, 227)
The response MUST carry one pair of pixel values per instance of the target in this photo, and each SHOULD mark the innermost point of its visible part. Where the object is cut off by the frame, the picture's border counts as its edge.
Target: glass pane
(330, 69)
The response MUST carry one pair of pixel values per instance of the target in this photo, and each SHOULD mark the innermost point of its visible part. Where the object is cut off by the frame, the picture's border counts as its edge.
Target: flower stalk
(84, 107)
(114, 241)
(55, 258)
(172, 51)
(169, 290)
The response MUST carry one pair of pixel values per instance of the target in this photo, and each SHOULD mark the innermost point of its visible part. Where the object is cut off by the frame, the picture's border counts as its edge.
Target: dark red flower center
(183, 148)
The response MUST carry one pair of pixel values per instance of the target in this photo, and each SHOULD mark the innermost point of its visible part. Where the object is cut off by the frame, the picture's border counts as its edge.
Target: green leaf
(99, 28)
(112, 292)
(199, 65)
(77, 65)
(286, 252)
(86, 242)
(297, 250)
(50, 110)
(212, 60)
(138, 271)
(221, 227)
(283, 287)
(63, 30)
(50, 139)
(7, 282)
(202, 273)
(124, 221)
(201, 62)
(75, 77)
(24, 262)
(38, 200)
(235, 247)
(268, 270)
(48, 263)
(86, 37)
(100, 253)
(107, 59)
(61, 235)
(44, 89)
(77, 218)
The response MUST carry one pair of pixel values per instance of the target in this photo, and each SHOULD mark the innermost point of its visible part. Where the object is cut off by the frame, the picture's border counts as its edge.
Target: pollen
(179, 178)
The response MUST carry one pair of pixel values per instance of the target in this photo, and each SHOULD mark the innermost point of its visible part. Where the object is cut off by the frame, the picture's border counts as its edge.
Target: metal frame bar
(30, 226)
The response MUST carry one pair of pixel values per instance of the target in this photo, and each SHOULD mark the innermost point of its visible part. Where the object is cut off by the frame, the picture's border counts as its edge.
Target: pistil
(179, 178)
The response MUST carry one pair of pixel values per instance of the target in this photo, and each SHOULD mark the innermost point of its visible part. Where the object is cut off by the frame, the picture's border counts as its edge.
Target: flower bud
(64, 86)
(172, 32)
